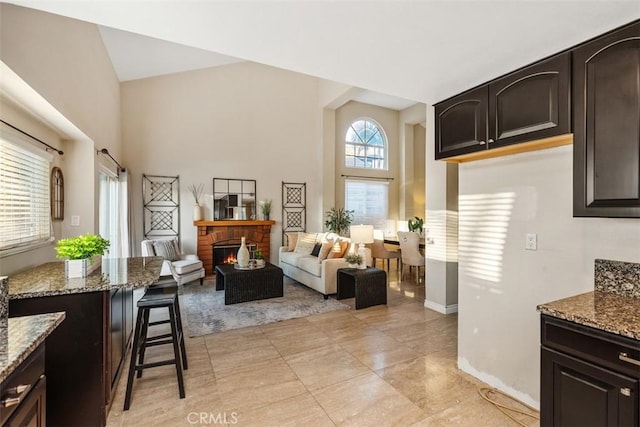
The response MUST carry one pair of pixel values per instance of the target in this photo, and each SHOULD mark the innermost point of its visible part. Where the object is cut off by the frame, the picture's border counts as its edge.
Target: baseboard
(464, 365)
(444, 309)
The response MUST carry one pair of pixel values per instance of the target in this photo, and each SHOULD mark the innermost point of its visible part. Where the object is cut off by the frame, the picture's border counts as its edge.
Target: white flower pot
(74, 268)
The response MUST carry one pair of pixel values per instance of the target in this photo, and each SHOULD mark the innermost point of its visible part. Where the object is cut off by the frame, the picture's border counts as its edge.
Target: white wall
(243, 120)
(501, 283)
(64, 63)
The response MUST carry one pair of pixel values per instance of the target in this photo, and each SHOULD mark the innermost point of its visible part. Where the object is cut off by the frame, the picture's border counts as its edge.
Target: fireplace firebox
(225, 252)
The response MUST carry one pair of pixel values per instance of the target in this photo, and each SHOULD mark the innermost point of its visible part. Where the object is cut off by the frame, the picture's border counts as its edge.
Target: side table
(368, 286)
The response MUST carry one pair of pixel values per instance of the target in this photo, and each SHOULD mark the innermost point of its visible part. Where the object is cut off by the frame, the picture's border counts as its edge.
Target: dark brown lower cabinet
(84, 354)
(584, 380)
(23, 393)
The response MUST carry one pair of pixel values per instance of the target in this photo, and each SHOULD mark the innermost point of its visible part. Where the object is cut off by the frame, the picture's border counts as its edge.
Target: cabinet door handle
(491, 141)
(625, 358)
(482, 142)
(18, 389)
(625, 391)
(10, 401)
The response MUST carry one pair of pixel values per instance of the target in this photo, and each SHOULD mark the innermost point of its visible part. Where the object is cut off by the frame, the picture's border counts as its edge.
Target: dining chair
(379, 251)
(410, 249)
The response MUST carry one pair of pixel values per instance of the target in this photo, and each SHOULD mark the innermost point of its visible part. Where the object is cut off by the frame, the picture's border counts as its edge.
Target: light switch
(75, 220)
(531, 242)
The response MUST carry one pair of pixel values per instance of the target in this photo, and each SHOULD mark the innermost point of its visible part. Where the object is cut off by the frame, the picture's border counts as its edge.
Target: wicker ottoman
(369, 286)
(248, 285)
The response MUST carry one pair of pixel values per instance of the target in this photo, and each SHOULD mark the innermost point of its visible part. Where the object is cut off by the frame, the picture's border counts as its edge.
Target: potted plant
(416, 224)
(353, 260)
(265, 206)
(338, 220)
(196, 192)
(83, 254)
(257, 255)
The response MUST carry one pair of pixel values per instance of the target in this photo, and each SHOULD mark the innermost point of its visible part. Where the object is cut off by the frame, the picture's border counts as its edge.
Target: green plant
(81, 247)
(265, 205)
(353, 258)
(338, 220)
(416, 225)
(258, 254)
(196, 192)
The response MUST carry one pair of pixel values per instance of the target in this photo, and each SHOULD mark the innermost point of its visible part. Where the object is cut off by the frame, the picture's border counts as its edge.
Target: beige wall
(389, 120)
(242, 120)
(501, 200)
(65, 67)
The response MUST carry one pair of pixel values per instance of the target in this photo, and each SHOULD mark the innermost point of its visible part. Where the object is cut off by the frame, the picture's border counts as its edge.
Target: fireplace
(225, 252)
(212, 234)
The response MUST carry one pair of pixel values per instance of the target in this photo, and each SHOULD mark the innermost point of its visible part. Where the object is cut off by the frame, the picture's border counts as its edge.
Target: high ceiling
(418, 50)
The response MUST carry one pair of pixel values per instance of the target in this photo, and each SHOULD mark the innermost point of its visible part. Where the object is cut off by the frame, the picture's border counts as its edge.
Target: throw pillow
(340, 247)
(292, 239)
(166, 249)
(324, 250)
(316, 249)
(305, 243)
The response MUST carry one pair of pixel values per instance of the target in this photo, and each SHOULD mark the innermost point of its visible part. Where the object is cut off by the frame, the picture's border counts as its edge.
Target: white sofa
(313, 271)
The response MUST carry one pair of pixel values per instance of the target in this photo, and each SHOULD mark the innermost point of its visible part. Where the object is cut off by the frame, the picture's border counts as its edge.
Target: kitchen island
(85, 354)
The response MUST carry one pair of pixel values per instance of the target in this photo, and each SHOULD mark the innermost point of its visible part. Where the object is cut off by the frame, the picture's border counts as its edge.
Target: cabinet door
(32, 411)
(128, 316)
(576, 393)
(461, 124)
(532, 103)
(117, 332)
(606, 131)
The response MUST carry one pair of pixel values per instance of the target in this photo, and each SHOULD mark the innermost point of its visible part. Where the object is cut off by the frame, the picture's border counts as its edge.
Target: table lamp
(361, 234)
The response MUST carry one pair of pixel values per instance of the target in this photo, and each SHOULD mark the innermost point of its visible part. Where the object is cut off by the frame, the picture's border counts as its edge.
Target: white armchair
(183, 268)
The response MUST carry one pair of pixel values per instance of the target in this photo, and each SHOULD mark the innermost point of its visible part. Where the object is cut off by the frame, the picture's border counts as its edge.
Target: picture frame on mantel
(234, 199)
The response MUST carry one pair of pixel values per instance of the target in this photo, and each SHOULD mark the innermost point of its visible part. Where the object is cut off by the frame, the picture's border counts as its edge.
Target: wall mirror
(234, 199)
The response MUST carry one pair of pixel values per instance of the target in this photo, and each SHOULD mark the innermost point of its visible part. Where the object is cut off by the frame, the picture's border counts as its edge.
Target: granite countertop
(606, 311)
(49, 279)
(614, 305)
(20, 336)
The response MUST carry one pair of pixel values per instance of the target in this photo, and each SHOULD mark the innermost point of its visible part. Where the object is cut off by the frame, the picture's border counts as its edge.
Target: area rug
(205, 312)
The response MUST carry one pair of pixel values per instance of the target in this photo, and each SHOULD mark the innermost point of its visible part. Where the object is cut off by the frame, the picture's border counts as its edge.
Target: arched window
(365, 145)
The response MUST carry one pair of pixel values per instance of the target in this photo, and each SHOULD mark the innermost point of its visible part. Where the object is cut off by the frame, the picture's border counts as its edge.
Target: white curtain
(126, 229)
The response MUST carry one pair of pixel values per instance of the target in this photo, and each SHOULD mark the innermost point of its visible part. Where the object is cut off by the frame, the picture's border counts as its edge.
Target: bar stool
(161, 296)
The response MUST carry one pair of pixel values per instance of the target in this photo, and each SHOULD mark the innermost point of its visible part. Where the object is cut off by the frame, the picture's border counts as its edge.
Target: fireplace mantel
(232, 223)
(210, 232)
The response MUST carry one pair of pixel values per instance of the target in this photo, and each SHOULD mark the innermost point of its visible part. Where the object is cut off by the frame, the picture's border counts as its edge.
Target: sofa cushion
(305, 243)
(310, 264)
(291, 258)
(166, 249)
(185, 266)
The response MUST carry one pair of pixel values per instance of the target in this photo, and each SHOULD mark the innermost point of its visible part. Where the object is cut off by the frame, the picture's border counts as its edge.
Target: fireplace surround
(226, 233)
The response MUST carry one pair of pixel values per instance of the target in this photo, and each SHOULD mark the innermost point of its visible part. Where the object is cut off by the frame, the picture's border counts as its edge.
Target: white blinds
(24, 196)
(369, 201)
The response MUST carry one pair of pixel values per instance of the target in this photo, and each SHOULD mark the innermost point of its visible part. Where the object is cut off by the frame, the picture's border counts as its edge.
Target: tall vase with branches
(196, 192)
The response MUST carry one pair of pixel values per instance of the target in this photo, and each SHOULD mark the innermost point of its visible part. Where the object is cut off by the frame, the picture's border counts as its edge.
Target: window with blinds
(24, 195)
(369, 201)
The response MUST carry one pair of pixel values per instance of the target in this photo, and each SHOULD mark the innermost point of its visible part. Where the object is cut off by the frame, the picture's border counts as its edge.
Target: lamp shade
(361, 233)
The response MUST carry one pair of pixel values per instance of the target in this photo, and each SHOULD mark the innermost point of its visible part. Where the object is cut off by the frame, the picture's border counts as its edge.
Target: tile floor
(384, 365)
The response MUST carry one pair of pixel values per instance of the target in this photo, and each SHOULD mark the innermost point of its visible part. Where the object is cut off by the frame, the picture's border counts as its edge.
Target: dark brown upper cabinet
(532, 103)
(461, 123)
(526, 105)
(606, 86)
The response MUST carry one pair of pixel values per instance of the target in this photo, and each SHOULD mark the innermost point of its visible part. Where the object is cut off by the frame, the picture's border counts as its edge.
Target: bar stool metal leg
(176, 349)
(132, 361)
